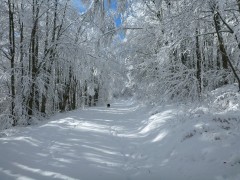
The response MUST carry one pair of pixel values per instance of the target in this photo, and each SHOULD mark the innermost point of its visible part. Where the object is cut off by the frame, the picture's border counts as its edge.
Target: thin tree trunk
(199, 62)
(96, 95)
(73, 94)
(12, 57)
(85, 95)
(66, 93)
(89, 100)
(33, 60)
(220, 40)
(44, 94)
(21, 56)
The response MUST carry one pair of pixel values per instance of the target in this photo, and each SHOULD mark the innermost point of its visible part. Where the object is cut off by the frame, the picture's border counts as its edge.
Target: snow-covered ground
(125, 142)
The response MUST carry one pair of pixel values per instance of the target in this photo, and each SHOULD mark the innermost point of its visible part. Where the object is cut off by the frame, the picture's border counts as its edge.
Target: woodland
(57, 57)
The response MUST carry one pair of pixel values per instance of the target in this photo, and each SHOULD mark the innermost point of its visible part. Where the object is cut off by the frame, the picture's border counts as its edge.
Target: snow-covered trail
(95, 143)
(121, 143)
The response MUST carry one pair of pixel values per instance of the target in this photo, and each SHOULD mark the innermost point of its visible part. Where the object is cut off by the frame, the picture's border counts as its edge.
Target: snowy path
(86, 145)
(102, 143)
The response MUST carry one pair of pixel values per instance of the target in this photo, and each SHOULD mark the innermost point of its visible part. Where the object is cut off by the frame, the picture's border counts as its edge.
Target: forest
(55, 57)
(120, 89)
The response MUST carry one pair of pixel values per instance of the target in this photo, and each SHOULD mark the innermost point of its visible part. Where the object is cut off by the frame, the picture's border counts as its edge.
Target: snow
(127, 141)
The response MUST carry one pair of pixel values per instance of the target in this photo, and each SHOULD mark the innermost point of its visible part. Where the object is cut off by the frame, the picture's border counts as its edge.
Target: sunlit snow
(122, 142)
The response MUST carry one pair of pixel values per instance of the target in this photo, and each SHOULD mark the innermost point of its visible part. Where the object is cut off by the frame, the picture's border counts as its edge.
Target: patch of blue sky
(118, 20)
(79, 5)
(118, 17)
(118, 23)
(82, 8)
(112, 6)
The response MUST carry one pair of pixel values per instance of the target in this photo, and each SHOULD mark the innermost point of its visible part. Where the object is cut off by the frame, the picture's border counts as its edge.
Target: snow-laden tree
(184, 49)
(53, 58)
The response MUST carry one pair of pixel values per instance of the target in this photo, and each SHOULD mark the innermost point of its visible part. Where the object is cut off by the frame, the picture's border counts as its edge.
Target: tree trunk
(21, 25)
(199, 62)
(89, 100)
(66, 93)
(12, 57)
(44, 94)
(73, 94)
(85, 95)
(33, 98)
(95, 97)
(224, 52)
(220, 41)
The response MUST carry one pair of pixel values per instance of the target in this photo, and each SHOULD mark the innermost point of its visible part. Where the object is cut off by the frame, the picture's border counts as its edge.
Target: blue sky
(113, 6)
(78, 4)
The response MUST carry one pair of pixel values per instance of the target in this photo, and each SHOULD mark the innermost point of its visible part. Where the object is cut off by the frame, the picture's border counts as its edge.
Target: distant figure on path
(108, 105)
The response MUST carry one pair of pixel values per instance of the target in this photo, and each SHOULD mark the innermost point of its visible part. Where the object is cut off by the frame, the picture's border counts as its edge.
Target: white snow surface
(125, 142)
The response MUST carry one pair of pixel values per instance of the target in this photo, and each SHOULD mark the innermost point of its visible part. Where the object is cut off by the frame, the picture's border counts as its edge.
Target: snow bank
(197, 141)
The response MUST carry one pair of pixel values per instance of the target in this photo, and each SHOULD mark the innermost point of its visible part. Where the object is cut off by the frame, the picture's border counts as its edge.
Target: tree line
(52, 58)
(183, 48)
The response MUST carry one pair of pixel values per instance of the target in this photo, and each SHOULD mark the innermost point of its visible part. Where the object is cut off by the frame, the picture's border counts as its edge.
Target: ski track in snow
(101, 144)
